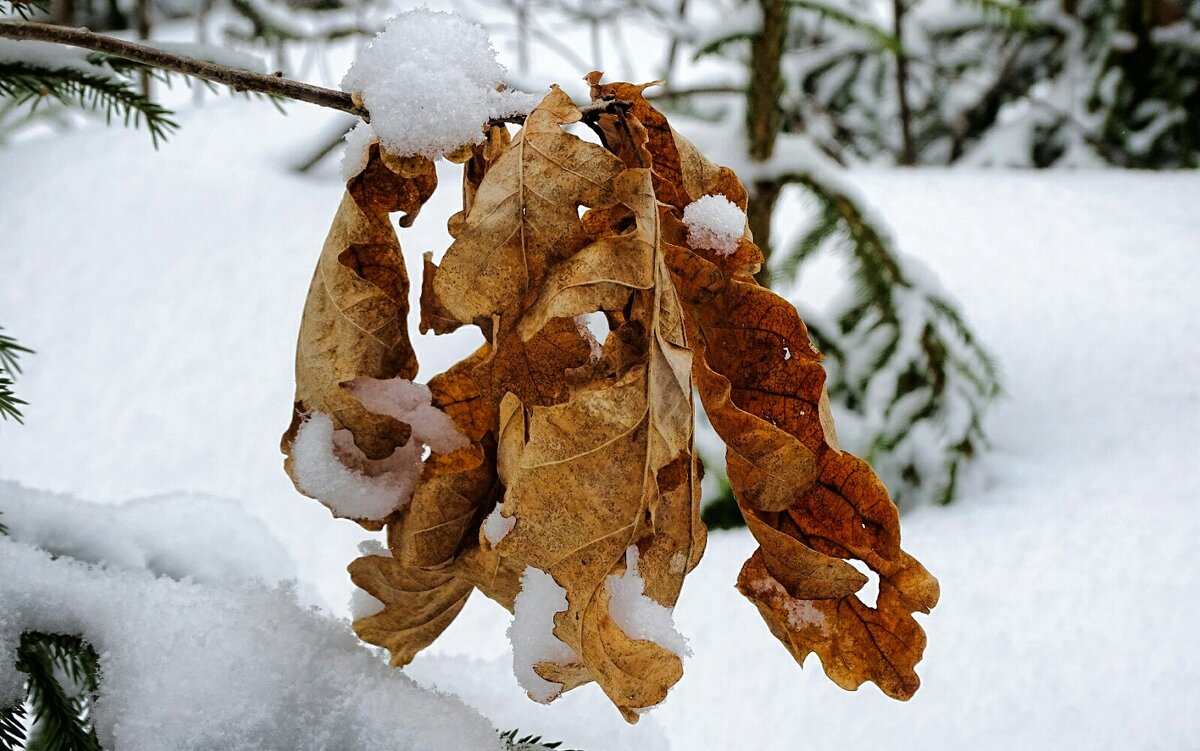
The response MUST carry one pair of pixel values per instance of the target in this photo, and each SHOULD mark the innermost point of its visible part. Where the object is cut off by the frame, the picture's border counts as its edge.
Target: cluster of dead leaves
(586, 448)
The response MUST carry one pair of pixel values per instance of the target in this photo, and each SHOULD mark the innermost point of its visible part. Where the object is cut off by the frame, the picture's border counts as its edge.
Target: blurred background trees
(790, 93)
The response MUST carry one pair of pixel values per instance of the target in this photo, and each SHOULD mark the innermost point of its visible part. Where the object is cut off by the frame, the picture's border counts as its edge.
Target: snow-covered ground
(162, 293)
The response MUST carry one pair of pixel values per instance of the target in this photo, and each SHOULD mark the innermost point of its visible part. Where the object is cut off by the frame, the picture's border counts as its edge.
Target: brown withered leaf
(480, 158)
(420, 593)
(614, 465)
(525, 219)
(355, 317)
(811, 506)
(418, 604)
(525, 216)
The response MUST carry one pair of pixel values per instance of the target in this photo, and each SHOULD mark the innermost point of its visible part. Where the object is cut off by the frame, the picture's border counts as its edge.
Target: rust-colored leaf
(811, 506)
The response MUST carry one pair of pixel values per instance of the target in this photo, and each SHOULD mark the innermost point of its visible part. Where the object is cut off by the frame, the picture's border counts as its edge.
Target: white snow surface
(429, 80)
(192, 666)
(182, 535)
(496, 525)
(532, 633)
(714, 223)
(164, 307)
(639, 616)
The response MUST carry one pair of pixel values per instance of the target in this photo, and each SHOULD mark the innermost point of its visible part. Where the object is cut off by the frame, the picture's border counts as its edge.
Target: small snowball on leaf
(532, 633)
(639, 616)
(714, 223)
(429, 80)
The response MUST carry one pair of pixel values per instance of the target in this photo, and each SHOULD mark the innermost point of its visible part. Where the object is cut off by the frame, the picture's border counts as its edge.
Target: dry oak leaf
(420, 591)
(355, 317)
(810, 505)
(524, 219)
(418, 604)
(481, 157)
(525, 216)
(612, 467)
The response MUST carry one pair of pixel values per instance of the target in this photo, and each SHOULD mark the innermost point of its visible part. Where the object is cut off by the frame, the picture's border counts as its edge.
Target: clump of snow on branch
(329, 466)
(429, 80)
(191, 665)
(358, 147)
(532, 633)
(714, 223)
(639, 616)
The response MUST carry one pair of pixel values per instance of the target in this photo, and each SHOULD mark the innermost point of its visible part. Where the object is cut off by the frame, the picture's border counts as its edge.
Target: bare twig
(238, 80)
(235, 78)
(672, 94)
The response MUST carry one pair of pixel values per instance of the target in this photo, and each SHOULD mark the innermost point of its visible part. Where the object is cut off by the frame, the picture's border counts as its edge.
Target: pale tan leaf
(355, 317)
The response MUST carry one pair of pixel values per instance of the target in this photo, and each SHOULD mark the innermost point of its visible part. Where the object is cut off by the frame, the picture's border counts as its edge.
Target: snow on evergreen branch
(906, 370)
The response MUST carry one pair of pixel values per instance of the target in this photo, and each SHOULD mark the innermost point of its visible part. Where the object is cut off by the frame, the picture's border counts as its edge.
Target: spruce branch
(901, 359)
(60, 713)
(24, 8)
(528, 742)
(111, 95)
(10, 351)
(881, 37)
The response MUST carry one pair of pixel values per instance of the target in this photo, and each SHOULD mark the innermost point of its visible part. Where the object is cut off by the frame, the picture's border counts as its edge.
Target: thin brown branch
(235, 78)
(238, 80)
(673, 94)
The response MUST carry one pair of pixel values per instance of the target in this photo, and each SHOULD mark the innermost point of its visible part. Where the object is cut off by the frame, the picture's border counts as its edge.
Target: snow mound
(714, 223)
(639, 616)
(532, 633)
(191, 666)
(207, 540)
(429, 80)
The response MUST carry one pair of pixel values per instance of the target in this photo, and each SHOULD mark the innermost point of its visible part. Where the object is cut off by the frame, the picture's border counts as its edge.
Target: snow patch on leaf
(410, 403)
(329, 467)
(532, 633)
(639, 616)
(358, 147)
